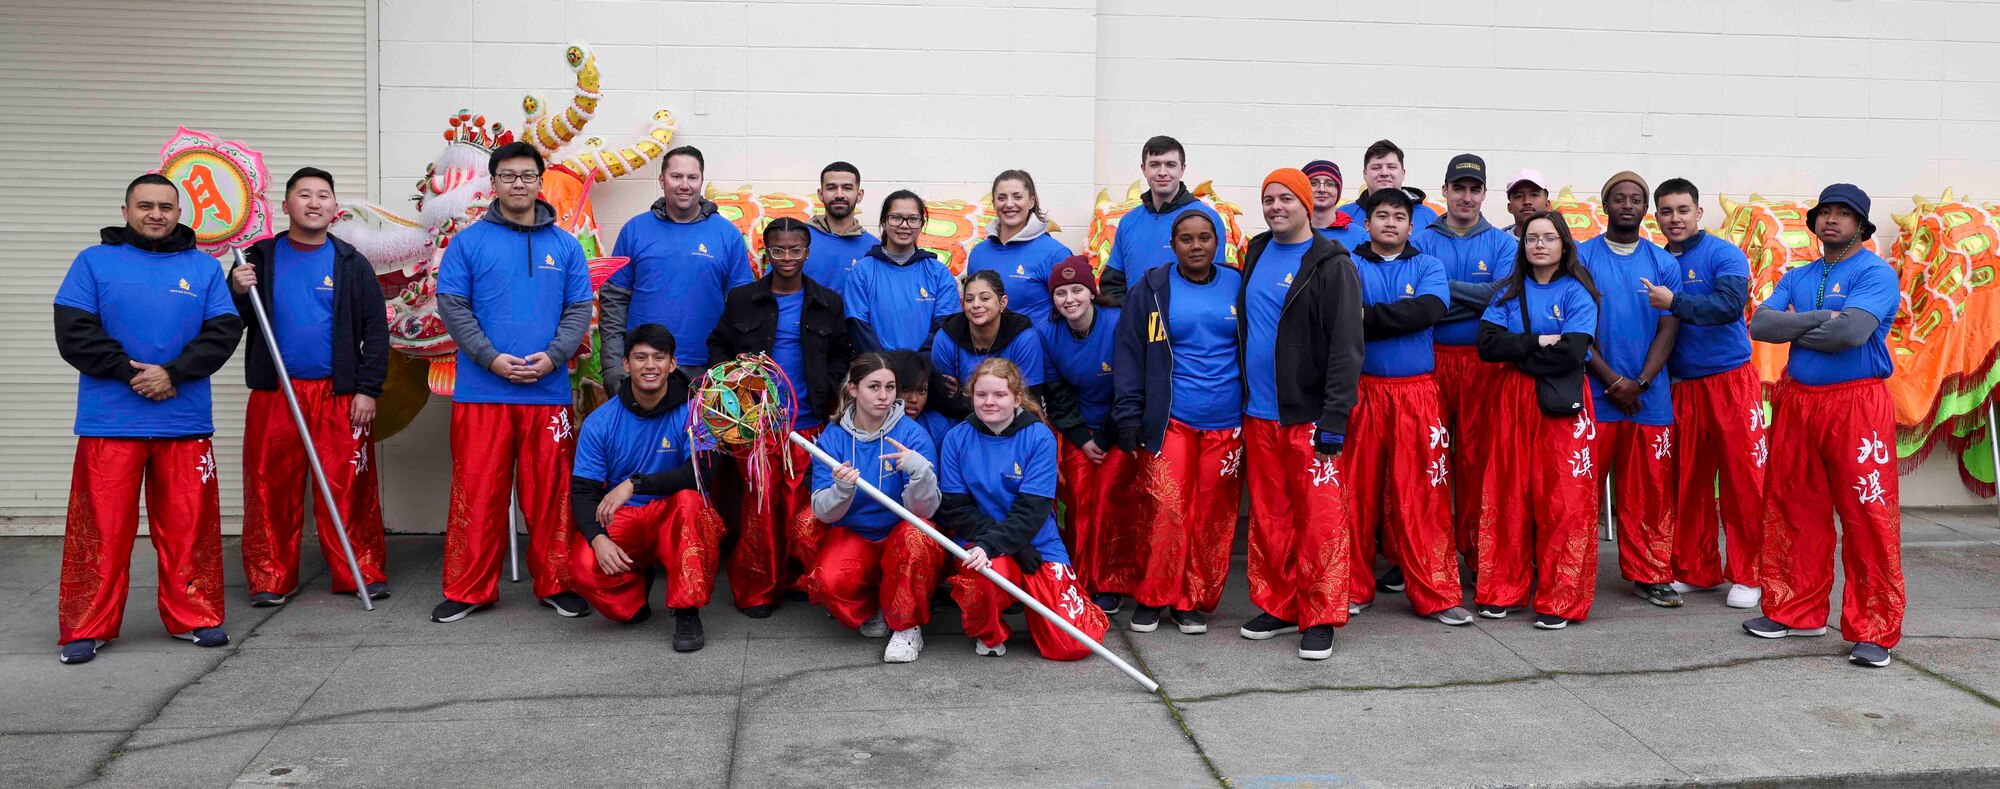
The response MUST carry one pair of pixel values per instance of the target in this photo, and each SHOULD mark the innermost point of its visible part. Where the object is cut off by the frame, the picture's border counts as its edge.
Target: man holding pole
(145, 317)
(333, 335)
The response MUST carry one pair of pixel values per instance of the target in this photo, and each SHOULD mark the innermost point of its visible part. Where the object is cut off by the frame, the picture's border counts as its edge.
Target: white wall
(1778, 97)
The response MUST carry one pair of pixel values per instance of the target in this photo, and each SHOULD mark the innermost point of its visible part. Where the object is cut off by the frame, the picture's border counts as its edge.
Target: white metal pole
(513, 537)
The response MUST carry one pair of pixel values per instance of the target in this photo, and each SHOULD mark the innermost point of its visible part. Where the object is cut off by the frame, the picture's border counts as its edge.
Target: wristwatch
(1644, 383)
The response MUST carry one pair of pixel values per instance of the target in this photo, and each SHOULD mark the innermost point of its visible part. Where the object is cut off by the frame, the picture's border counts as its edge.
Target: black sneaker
(1014, 609)
(268, 600)
(378, 590)
(1193, 623)
(1493, 612)
(452, 610)
(204, 636)
(78, 652)
(569, 604)
(687, 630)
(1263, 626)
(1145, 619)
(758, 612)
(1108, 603)
(644, 613)
(1391, 581)
(1662, 595)
(1765, 627)
(1317, 643)
(796, 596)
(1550, 622)
(1866, 654)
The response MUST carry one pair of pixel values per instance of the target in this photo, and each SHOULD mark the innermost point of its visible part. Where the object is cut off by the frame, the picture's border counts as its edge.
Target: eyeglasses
(901, 220)
(1538, 239)
(526, 178)
(786, 253)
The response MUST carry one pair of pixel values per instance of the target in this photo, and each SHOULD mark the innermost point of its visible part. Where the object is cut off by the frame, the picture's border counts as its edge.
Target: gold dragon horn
(550, 132)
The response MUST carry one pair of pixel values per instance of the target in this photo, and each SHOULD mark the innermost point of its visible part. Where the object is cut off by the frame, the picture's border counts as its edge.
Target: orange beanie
(1294, 179)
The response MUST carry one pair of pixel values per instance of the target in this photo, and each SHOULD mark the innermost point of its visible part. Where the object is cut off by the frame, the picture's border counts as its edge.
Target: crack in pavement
(1469, 683)
(1969, 690)
(1174, 712)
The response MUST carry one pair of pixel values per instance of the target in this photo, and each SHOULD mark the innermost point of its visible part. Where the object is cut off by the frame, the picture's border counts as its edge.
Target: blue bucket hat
(1848, 195)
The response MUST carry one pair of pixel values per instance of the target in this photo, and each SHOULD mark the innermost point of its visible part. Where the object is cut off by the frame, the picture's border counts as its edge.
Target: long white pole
(998, 580)
(332, 509)
(513, 538)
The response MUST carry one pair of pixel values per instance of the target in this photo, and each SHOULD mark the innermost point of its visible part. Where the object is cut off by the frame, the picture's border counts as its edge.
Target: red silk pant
(1538, 508)
(497, 449)
(759, 566)
(1398, 472)
(1188, 499)
(981, 604)
(1720, 432)
(1640, 460)
(277, 482)
(184, 513)
(1107, 543)
(855, 577)
(679, 534)
(1299, 526)
(1465, 387)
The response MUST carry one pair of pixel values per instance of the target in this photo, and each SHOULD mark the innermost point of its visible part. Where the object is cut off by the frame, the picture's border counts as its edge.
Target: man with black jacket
(635, 498)
(802, 325)
(145, 318)
(326, 311)
(1302, 348)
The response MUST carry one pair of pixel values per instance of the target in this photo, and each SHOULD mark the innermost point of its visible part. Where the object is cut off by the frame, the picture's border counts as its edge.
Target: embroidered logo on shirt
(666, 444)
(702, 249)
(1021, 271)
(184, 289)
(1836, 287)
(1288, 280)
(1690, 274)
(923, 293)
(888, 466)
(1482, 265)
(1104, 367)
(1409, 290)
(549, 262)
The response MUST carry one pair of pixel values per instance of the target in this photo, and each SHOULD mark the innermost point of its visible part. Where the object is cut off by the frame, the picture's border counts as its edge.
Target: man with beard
(838, 240)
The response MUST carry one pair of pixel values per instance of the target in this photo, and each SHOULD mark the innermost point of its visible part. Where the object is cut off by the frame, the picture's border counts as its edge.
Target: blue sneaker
(205, 636)
(83, 651)
(1866, 654)
(1765, 627)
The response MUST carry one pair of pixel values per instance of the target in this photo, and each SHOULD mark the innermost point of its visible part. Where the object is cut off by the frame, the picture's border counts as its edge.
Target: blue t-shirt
(831, 257)
(518, 283)
(1482, 258)
(1393, 280)
(866, 516)
(1084, 364)
(791, 356)
(947, 358)
(153, 304)
(1201, 328)
(1421, 216)
(1628, 322)
(994, 469)
(1145, 239)
(679, 275)
(1352, 236)
(1560, 307)
(615, 443)
(1024, 267)
(935, 425)
(900, 302)
(1263, 299)
(1862, 281)
(302, 308)
(1706, 350)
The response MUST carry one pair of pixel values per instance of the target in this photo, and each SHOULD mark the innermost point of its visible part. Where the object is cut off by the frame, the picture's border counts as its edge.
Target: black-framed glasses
(901, 220)
(526, 178)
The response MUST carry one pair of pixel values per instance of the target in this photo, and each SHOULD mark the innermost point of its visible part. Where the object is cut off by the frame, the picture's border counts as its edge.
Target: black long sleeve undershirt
(1400, 317)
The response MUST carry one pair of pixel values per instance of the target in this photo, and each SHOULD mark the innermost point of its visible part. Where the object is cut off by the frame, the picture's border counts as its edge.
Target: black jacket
(1011, 536)
(749, 324)
(1111, 283)
(1402, 316)
(958, 329)
(586, 493)
(1526, 352)
(360, 321)
(1320, 343)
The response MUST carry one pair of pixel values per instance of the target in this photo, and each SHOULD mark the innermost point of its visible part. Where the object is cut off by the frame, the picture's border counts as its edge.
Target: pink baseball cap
(1527, 175)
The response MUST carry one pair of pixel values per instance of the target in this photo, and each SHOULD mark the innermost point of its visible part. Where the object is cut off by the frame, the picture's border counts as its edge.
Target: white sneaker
(875, 627)
(1741, 596)
(1355, 609)
(904, 646)
(1686, 588)
(983, 650)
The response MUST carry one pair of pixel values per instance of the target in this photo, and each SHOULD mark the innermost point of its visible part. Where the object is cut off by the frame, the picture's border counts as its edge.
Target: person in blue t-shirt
(1077, 345)
(1396, 459)
(1718, 404)
(802, 326)
(913, 384)
(998, 485)
(986, 328)
(635, 495)
(1351, 231)
(838, 239)
(1382, 168)
(1633, 342)
(682, 259)
(1833, 439)
(870, 570)
(899, 293)
(1018, 246)
(514, 291)
(1177, 395)
(145, 318)
(1144, 237)
(1538, 533)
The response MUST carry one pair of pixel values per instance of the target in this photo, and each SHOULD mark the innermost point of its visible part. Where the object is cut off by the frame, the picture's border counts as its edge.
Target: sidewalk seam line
(1174, 712)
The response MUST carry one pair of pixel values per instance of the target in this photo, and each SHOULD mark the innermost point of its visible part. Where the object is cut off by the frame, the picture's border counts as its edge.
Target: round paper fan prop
(744, 406)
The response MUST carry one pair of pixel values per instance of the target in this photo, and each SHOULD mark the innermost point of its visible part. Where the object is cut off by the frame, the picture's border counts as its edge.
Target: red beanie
(1293, 179)
(1074, 270)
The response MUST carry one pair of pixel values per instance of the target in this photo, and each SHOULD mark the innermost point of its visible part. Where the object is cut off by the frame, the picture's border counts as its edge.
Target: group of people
(1412, 400)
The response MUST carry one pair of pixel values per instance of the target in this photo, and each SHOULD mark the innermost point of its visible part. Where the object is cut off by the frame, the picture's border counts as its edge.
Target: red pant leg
(1465, 384)
(636, 530)
(1365, 462)
(910, 562)
(1640, 461)
(1796, 565)
(1192, 487)
(690, 549)
(980, 603)
(1563, 504)
(1273, 554)
(482, 482)
(1108, 544)
(777, 486)
(1416, 509)
(274, 490)
(1055, 586)
(184, 517)
(347, 454)
(1721, 435)
(1504, 553)
(845, 577)
(545, 447)
(1304, 558)
(97, 537)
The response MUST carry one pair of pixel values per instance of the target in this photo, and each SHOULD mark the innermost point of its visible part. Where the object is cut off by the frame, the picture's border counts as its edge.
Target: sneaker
(1662, 595)
(378, 590)
(1108, 603)
(982, 650)
(84, 651)
(1741, 596)
(1391, 581)
(1685, 588)
(1192, 623)
(1014, 609)
(758, 612)
(1493, 612)
(644, 613)
(205, 636)
(1550, 622)
(1145, 619)
(267, 600)
(1455, 616)
(875, 627)
(796, 596)
(1866, 654)
(569, 604)
(1765, 627)
(904, 646)
(1317, 643)
(1264, 626)
(1355, 609)
(452, 610)
(687, 630)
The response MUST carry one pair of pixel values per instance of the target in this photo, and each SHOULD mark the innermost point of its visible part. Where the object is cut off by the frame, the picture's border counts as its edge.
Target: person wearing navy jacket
(1718, 404)
(1077, 343)
(1351, 231)
(869, 569)
(514, 291)
(1144, 240)
(1477, 256)
(1833, 434)
(899, 293)
(635, 496)
(333, 332)
(145, 318)
(1636, 418)
(998, 488)
(1396, 460)
(1176, 396)
(1018, 246)
(838, 240)
(682, 259)
(986, 329)
(1537, 532)
(802, 326)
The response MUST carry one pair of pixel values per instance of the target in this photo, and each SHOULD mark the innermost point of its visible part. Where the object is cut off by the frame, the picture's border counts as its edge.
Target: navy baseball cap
(1465, 165)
